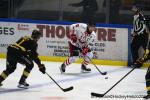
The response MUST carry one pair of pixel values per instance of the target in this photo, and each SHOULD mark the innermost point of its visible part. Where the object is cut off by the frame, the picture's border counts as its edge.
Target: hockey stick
(148, 40)
(65, 90)
(101, 95)
(103, 73)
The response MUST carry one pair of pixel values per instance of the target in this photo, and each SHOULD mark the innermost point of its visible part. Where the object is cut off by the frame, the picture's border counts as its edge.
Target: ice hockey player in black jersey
(24, 51)
(139, 62)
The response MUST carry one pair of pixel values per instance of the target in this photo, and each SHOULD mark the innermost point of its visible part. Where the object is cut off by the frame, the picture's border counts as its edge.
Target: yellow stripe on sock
(148, 88)
(25, 73)
(4, 75)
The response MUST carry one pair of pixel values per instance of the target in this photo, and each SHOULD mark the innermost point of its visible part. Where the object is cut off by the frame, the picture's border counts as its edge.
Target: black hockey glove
(42, 68)
(139, 63)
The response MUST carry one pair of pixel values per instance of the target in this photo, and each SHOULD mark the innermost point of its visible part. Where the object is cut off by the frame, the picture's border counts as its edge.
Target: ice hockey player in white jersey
(81, 39)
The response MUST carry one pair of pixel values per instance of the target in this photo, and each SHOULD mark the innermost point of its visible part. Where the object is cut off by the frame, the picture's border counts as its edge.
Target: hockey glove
(85, 50)
(73, 38)
(42, 68)
(139, 62)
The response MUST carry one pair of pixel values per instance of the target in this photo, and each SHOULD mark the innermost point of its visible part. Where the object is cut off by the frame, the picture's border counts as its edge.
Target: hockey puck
(106, 77)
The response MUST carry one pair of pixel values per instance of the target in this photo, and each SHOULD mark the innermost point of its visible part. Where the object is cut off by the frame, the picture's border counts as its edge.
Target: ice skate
(84, 69)
(147, 96)
(62, 68)
(23, 85)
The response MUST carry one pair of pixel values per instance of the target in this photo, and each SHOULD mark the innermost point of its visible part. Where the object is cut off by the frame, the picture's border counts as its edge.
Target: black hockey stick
(103, 73)
(101, 95)
(65, 90)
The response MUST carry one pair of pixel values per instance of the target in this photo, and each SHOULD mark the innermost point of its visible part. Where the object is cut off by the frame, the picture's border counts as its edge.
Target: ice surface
(43, 88)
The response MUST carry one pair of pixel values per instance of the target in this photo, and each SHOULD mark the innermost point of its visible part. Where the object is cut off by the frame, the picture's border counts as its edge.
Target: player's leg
(74, 53)
(86, 61)
(9, 69)
(11, 62)
(68, 62)
(29, 65)
(147, 78)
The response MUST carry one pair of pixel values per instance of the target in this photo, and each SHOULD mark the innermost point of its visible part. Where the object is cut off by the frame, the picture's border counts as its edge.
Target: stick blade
(96, 95)
(68, 89)
(104, 73)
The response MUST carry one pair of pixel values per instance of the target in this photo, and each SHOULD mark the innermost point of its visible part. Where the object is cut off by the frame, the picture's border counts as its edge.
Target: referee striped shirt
(139, 24)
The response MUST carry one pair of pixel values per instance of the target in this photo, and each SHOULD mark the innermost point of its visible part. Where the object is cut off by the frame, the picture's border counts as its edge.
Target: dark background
(109, 11)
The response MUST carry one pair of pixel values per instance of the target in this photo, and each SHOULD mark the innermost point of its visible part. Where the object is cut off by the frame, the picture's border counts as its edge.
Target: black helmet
(36, 34)
(91, 23)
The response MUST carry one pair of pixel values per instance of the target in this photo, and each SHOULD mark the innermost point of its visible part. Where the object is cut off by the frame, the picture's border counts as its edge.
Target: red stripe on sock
(85, 62)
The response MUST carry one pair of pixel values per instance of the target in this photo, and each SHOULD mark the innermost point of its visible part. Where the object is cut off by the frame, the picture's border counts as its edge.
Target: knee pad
(73, 59)
(30, 66)
(88, 56)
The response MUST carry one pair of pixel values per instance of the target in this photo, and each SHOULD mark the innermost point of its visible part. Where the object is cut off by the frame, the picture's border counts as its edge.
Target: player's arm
(73, 31)
(87, 46)
(34, 56)
(90, 39)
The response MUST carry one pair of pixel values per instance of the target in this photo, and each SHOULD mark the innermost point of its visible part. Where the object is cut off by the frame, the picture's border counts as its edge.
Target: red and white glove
(85, 50)
(73, 38)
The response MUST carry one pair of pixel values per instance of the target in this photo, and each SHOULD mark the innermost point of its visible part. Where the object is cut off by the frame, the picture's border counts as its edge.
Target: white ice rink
(43, 88)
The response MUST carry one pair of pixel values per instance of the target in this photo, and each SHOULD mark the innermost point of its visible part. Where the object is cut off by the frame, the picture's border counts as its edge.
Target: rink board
(110, 47)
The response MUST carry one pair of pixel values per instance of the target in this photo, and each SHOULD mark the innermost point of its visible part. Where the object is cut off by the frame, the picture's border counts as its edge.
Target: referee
(139, 35)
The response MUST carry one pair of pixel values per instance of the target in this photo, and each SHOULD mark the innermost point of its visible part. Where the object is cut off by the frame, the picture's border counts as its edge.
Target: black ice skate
(84, 69)
(147, 96)
(62, 68)
(23, 85)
